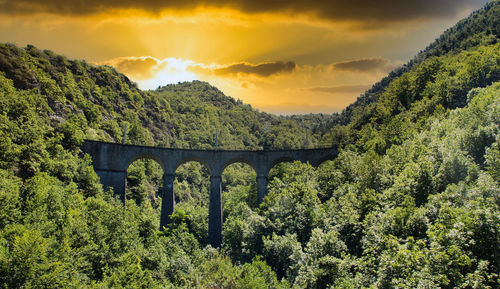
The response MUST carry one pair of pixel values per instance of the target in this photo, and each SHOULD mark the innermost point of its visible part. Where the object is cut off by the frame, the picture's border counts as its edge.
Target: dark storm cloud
(340, 89)
(262, 69)
(364, 65)
(353, 10)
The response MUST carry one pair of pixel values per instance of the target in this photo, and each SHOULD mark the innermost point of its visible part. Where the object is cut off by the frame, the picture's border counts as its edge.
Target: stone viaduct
(111, 161)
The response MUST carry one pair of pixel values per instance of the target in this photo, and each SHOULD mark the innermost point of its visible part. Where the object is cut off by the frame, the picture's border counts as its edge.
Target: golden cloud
(136, 67)
(261, 69)
(365, 65)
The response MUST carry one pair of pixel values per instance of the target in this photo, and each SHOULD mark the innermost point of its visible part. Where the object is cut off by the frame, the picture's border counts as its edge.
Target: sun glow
(168, 71)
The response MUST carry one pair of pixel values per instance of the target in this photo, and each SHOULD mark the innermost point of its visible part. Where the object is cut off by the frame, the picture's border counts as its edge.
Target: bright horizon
(296, 57)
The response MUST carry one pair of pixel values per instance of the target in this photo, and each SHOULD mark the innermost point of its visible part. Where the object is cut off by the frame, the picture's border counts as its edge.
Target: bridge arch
(133, 185)
(328, 157)
(239, 160)
(192, 183)
(286, 159)
(193, 158)
(244, 183)
(149, 156)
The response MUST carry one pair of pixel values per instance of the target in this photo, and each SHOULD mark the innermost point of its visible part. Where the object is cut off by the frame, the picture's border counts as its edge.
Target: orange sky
(282, 57)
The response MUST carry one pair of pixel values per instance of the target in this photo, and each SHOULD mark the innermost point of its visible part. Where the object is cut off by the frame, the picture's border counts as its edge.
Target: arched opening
(329, 179)
(239, 185)
(192, 184)
(279, 166)
(326, 159)
(239, 200)
(292, 200)
(192, 198)
(144, 182)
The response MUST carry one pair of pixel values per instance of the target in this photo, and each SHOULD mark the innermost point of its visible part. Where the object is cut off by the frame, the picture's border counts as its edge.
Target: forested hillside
(480, 28)
(412, 201)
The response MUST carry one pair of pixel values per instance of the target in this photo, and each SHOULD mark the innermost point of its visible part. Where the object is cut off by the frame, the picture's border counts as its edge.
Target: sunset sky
(280, 56)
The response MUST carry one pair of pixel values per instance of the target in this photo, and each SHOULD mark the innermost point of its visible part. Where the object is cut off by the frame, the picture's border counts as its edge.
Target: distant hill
(178, 115)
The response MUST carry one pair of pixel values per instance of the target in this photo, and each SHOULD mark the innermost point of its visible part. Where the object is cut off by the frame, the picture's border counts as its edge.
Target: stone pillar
(115, 180)
(215, 212)
(261, 188)
(167, 199)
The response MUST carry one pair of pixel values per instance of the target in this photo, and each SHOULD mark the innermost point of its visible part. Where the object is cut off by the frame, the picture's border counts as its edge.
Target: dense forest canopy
(413, 199)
